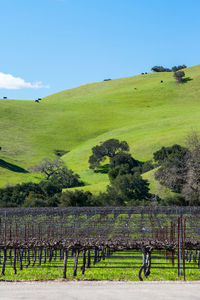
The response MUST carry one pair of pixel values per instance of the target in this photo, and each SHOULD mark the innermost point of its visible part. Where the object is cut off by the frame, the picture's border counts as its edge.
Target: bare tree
(181, 172)
(48, 167)
(191, 189)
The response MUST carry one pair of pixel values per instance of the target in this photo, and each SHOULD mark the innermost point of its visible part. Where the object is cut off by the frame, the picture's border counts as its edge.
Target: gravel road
(96, 290)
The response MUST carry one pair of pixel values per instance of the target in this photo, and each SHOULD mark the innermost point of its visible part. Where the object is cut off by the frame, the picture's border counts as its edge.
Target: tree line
(163, 69)
(177, 168)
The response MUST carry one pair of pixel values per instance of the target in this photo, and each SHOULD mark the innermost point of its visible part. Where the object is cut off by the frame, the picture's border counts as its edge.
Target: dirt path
(96, 290)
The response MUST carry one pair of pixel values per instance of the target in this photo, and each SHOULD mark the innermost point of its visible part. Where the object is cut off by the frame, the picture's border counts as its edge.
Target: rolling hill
(141, 110)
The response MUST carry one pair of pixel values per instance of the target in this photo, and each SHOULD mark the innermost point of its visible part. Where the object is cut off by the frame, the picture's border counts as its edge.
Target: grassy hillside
(152, 115)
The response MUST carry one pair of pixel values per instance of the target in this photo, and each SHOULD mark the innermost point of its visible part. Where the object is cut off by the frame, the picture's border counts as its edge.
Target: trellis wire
(77, 231)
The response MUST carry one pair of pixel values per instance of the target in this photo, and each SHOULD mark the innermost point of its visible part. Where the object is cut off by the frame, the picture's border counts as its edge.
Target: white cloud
(9, 82)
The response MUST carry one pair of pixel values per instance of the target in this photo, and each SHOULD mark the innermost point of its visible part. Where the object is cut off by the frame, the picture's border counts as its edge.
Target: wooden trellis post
(181, 246)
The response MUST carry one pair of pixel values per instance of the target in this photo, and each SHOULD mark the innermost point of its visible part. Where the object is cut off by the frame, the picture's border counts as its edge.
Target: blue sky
(52, 45)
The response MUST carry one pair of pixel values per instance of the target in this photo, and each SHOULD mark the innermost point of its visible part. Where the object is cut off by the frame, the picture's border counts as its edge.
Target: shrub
(75, 198)
(160, 69)
(65, 178)
(179, 76)
(178, 68)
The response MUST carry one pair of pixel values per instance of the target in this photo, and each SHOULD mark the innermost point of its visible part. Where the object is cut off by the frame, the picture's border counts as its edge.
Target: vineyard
(142, 238)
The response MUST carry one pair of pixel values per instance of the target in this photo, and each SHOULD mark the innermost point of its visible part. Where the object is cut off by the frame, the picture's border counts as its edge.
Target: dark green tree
(35, 200)
(123, 158)
(75, 198)
(49, 189)
(166, 153)
(14, 196)
(160, 69)
(65, 178)
(178, 68)
(130, 188)
(122, 163)
(107, 149)
(179, 76)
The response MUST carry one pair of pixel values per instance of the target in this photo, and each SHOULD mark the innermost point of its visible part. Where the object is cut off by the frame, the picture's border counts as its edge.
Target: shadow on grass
(103, 169)
(186, 79)
(11, 167)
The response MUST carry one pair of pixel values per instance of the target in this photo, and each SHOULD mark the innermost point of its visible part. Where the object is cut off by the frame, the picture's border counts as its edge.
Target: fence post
(180, 245)
(179, 250)
(183, 245)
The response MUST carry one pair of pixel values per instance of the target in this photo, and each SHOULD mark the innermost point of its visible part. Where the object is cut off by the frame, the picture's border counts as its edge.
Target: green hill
(141, 110)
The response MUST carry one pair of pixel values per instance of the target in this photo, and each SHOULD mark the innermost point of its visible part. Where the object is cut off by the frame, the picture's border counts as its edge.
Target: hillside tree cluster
(56, 177)
(177, 168)
(127, 187)
(173, 69)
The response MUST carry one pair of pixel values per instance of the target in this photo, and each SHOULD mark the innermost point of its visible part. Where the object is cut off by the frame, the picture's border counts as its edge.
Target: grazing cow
(161, 81)
(37, 101)
(4, 97)
(107, 79)
(135, 88)
(39, 98)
